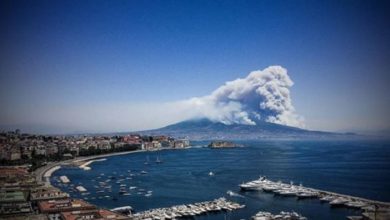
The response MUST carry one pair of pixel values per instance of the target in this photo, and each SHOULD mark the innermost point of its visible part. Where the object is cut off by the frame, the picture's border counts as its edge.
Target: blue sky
(61, 61)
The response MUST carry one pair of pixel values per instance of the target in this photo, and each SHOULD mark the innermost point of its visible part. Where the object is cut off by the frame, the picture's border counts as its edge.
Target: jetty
(85, 166)
(281, 216)
(188, 210)
(371, 209)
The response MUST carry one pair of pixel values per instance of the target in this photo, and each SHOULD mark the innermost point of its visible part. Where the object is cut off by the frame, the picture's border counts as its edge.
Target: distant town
(24, 158)
(17, 148)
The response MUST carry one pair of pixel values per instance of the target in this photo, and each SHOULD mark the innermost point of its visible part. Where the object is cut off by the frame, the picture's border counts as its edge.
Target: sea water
(358, 168)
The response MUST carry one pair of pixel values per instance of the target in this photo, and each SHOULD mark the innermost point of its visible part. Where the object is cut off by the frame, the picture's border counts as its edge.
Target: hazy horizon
(118, 66)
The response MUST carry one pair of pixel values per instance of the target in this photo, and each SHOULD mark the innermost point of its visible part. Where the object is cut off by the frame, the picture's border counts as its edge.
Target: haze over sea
(359, 168)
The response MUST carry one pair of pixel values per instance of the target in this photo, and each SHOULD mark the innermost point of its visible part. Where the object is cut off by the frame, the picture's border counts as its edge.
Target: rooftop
(92, 214)
(54, 206)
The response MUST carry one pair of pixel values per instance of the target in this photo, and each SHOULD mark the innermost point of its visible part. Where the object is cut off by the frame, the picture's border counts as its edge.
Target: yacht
(338, 201)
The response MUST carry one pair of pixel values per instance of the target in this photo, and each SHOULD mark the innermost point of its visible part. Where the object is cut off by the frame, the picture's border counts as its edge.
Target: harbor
(370, 209)
(184, 178)
(188, 210)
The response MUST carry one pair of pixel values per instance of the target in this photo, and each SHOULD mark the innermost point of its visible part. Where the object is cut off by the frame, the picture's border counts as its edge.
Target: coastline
(44, 173)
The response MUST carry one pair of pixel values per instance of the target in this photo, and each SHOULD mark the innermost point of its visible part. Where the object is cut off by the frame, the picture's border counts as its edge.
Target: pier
(85, 166)
(371, 209)
(189, 210)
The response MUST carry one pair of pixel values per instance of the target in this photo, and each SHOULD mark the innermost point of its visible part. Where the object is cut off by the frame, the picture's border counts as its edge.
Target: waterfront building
(152, 145)
(53, 208)
(47, 193)
(14, 202)
(181, 143)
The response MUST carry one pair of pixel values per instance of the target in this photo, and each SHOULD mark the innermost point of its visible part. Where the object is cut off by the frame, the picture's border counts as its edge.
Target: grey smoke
(262, 95)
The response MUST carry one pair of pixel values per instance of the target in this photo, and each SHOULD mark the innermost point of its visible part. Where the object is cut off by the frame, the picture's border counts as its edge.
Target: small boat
(211, 174)
(143, 172)
(306, 195)
(121, 192)
(147, 160)
(81, 189)
(158, 160)
(123, 209)
(356, 204)
(338, 201)
(327, 198)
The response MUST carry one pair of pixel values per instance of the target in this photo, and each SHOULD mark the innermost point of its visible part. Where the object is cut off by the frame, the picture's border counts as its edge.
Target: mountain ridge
(205, 129)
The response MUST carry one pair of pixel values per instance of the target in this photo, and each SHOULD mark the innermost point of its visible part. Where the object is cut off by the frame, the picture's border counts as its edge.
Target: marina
(188, 210)
(281, 216)
(381, 210)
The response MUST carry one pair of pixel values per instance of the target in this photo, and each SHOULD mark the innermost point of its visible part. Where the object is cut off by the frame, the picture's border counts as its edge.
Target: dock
(371, 209)
(188, 210)
(85, 166)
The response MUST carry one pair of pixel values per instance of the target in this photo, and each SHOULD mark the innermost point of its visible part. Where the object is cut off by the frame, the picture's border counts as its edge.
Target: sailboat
(158, 160)
(147, 160)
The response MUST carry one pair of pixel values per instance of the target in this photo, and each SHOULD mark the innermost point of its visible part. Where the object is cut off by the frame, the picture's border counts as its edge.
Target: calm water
(360, 168)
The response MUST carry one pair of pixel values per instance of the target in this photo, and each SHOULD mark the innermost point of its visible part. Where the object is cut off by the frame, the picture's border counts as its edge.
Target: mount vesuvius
(205, 129)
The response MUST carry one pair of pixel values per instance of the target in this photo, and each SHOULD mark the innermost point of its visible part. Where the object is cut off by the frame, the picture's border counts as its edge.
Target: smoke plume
(263, 95)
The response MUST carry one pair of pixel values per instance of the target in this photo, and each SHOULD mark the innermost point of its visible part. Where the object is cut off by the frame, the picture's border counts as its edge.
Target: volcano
(205, 129)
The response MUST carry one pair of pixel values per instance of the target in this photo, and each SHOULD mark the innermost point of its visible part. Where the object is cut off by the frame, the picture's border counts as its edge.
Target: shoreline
(43, 174)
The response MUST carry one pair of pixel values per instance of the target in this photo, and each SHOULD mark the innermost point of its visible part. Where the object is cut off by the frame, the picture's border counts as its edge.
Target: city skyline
(104, 66)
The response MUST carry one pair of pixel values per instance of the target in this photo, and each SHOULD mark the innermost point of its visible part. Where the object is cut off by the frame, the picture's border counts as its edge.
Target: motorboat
(339, 201)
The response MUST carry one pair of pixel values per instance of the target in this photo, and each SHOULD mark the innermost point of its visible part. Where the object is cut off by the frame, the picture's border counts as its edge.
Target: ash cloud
(264, 95)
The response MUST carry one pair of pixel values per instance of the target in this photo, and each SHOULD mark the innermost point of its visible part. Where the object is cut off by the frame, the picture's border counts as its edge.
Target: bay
(359, 168)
